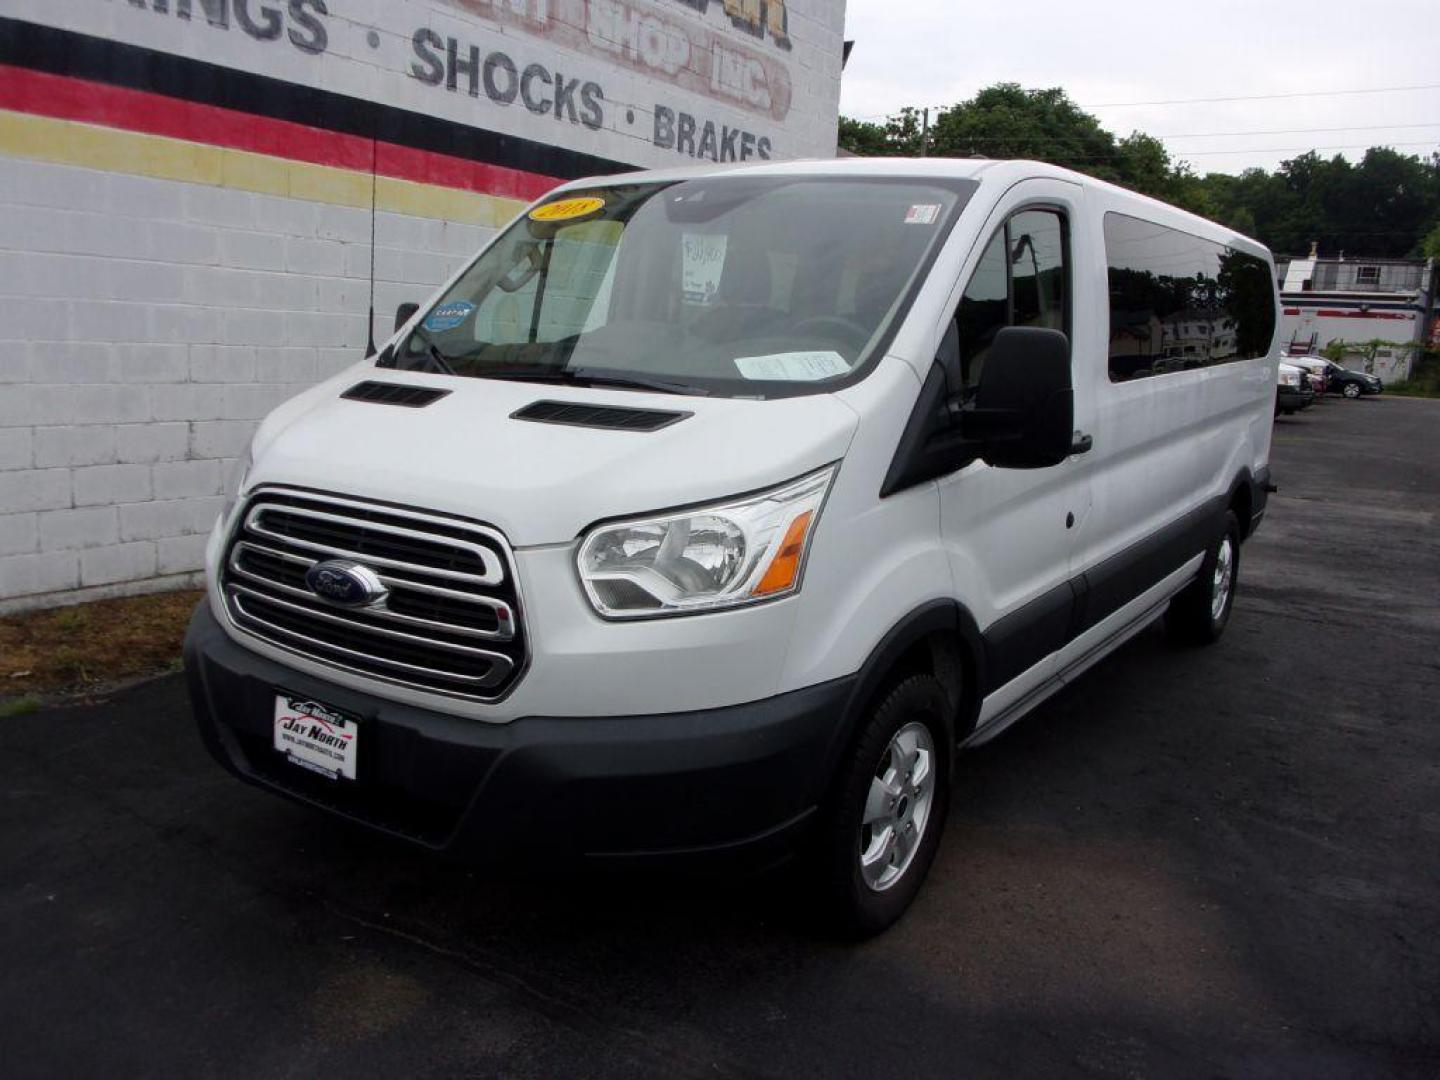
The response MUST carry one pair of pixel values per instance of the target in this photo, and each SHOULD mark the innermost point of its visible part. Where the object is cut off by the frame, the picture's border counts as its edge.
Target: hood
(540, 483)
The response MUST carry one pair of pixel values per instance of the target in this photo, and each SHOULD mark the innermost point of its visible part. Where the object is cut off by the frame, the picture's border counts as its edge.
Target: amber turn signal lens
(785, 567)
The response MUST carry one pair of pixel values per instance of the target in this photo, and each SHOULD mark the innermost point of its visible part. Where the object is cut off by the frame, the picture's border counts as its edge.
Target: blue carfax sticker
(449, 316)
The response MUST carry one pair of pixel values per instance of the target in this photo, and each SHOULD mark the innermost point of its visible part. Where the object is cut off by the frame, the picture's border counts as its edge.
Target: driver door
(1011, 533)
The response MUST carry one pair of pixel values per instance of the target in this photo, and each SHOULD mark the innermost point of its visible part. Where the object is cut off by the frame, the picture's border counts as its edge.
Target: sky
(1110, 54)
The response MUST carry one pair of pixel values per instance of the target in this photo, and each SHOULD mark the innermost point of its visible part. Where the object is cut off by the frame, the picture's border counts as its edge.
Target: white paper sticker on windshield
(793, 366)
(922, 214)
(703, 260)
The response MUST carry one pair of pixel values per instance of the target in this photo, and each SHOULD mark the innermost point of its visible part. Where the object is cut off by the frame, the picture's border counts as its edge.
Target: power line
(1298, 131)
(1226, 134)
(1303, 149)
(1205, 101)
(1263, 97)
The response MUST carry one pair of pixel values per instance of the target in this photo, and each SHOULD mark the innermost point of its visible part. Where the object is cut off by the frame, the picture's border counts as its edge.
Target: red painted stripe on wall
(1363, 315)
(64, 98)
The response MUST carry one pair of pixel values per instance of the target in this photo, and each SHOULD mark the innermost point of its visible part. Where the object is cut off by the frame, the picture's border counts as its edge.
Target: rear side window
(1179, 302)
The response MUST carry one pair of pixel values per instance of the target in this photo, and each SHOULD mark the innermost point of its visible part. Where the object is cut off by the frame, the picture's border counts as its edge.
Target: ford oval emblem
(341, 581)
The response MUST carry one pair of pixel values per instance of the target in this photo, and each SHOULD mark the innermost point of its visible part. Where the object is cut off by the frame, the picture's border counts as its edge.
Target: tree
(899, 136)
(1430, 246)
(1008, 121)
(1337, 351)
(865, 140)
(1385, 205)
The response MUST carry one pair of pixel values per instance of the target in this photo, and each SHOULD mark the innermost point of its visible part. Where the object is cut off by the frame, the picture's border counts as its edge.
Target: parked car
(1316, 368)
(708, 514)
(1292, 391)
(1352, 384)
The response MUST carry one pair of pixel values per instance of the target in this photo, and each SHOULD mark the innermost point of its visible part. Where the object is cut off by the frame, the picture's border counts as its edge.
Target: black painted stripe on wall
(80, 56)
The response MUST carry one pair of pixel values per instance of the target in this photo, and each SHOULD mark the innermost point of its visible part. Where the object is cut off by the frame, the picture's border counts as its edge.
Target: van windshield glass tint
(742, 286)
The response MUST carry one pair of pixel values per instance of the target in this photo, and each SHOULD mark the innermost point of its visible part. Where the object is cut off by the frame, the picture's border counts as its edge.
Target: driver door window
(1023, 279)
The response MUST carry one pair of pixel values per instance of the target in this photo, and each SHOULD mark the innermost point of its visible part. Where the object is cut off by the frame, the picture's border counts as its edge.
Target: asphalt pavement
(1223, 862)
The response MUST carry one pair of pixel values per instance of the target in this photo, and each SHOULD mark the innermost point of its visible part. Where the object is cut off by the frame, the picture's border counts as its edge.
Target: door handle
(1081, 443)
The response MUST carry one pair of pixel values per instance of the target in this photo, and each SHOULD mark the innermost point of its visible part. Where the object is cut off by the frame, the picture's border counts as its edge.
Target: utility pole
(925, 132)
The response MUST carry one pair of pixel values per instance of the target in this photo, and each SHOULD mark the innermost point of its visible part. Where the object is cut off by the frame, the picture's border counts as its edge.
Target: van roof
(990, 172)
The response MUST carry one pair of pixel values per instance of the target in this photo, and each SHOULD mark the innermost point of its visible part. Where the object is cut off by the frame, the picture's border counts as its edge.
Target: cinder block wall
(185, 223)
(145, 326)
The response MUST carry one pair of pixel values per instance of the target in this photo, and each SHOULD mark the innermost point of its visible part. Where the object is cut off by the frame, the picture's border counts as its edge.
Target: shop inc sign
(662, 43)
(555, 58)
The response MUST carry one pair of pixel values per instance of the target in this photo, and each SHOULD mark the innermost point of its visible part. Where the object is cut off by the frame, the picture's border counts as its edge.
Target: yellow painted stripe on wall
(88, 146)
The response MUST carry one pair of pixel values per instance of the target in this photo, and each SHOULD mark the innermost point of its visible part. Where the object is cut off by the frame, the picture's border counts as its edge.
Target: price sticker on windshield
(567, 209)
(794, 366)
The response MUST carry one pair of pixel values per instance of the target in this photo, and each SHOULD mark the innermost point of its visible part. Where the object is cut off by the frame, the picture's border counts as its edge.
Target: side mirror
(1023, 412)
(404, 313)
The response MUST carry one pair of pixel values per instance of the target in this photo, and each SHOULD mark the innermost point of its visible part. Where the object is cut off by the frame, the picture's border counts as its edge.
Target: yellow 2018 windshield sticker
(567, 209)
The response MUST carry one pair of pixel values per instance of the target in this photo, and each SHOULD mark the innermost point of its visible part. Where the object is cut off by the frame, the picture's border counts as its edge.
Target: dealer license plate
(316, 737)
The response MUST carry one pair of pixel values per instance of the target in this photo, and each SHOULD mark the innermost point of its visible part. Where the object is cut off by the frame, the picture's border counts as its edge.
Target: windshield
(742, 286)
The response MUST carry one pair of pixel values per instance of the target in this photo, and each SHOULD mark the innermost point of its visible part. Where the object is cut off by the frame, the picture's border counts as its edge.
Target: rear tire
(1199, 614)
(887, 811)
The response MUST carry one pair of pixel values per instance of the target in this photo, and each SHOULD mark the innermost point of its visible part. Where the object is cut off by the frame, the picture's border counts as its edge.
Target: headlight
(235, 482)
(1290, 378)
(721, 556)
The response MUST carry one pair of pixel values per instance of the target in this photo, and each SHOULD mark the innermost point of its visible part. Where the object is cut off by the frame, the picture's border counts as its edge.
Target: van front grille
(448, 618)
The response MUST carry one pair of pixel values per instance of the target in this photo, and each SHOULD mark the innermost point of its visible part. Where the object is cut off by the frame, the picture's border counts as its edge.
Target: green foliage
(1424, 378)
(20, 706)
(1007, 121)
(1386, 205)
(1337, 350)
(1430, 246)
(897, 137)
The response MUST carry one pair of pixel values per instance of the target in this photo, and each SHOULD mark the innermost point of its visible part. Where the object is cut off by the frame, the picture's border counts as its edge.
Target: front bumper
(742, 782)
(1293, 399)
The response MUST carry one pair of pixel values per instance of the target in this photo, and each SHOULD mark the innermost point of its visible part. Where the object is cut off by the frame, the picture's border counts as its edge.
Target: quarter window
(1179, 302)
(1023, 279)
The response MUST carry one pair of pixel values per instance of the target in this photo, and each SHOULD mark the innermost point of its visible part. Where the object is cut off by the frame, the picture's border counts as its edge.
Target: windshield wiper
(636, 382)
(437, 359)
(584, 377)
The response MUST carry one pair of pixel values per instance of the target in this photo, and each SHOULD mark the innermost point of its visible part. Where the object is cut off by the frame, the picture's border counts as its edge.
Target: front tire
(883, 825)
(1351, 390)
(1198, 614)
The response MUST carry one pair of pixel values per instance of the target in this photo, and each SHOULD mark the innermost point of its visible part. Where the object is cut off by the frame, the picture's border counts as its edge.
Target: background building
(202, 201)
(1324, 300)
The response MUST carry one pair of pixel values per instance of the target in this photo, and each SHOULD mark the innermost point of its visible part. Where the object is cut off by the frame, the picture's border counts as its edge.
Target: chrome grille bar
(504, 631)
(310, 611)
(449, 621)
(493, 573)
(489, 678)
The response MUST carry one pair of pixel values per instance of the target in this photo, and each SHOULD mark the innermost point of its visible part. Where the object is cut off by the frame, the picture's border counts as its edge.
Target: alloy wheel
(1224, 578)
(897, 808)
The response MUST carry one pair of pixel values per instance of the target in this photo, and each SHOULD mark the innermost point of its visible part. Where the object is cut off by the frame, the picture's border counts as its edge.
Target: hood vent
(612, 417)
(382, 393)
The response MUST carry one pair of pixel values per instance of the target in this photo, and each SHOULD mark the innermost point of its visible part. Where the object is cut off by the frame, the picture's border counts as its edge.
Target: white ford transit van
(709, 513)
